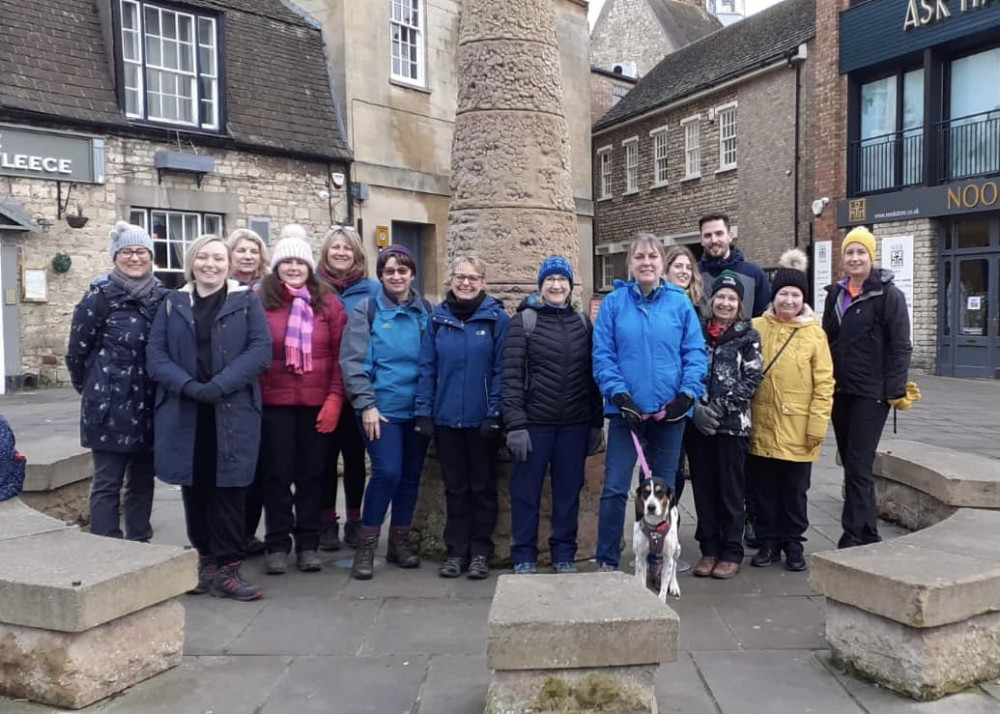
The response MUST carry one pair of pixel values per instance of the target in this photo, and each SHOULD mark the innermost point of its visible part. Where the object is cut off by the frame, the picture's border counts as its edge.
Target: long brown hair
(696, 289)
(274, 296)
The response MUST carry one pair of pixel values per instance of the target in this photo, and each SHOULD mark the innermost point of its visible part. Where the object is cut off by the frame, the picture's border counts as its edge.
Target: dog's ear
(673, 497)
(639, 500)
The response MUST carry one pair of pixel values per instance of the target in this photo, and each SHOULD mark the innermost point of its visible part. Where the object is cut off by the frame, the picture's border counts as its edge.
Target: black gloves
(424, 425)
(203, 392)
(677, 408)
(630, 410)
(490, 428)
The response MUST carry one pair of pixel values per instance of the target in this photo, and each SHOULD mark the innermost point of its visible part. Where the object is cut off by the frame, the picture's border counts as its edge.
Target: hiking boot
(478, 568)
(253, 547)
(329, 537)
(750, 534)
(351, 532)
(364, 558)
(795, 559)
(206, 571)
(564, 566)
(767, 555)
(309, 561)
(528, 568)
(400, 551)
(451, 568)
(228, 582)
(276, 563)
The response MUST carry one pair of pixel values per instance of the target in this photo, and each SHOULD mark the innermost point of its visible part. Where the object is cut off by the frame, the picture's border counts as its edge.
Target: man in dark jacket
(719, 255)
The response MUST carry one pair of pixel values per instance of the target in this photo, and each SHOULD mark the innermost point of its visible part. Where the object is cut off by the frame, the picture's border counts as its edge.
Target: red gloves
(329, 415)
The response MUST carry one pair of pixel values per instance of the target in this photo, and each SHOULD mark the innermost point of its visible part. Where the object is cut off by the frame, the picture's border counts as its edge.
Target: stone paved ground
(409, 642)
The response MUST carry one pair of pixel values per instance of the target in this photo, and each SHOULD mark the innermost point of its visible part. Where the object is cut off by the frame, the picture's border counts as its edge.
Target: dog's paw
(673, 589)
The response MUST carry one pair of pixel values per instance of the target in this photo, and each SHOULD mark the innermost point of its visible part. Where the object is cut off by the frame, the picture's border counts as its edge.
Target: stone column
(512, 199)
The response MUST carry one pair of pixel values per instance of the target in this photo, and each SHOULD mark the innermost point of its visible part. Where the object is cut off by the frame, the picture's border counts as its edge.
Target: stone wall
(243, 185)
(629, 32)
(603, 91)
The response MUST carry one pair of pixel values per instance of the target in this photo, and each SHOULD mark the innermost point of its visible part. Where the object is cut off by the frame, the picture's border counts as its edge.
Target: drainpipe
(796, 60)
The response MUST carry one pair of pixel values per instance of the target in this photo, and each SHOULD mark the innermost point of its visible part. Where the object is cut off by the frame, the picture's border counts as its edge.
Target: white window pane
(155, 102)
(152, 19)
(206, 32)
(185, 29)
(190, 226)
(206, 61)
(132, 107)
(169, 24)
(878, 108)
(130, 15)
(153, 54)
(170, 54)
(213, 224)
(137, 217)
(186, 58)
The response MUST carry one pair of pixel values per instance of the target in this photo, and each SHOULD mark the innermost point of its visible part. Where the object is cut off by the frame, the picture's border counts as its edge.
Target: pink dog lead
(643, 464)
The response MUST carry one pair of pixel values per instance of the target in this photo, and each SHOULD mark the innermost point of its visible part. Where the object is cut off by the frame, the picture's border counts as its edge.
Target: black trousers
(293, 453)
(345, 440)
(858, 423)
(717, 464)
(254, 502)
(781, 487)
(214, 515)
(469, 471)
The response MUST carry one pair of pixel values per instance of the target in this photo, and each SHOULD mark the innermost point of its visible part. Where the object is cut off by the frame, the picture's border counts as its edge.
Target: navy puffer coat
(106, 358)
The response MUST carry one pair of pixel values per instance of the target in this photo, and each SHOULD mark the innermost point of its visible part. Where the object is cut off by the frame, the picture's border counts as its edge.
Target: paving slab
(701, 627)
(777, 580)
(679, 689)
(431, 627)
(455, 685)
(212, 624)
(772, 622)
(390, 581)
(352, 685)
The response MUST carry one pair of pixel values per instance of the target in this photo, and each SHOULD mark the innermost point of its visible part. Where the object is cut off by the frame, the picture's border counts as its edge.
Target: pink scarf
(298, 332)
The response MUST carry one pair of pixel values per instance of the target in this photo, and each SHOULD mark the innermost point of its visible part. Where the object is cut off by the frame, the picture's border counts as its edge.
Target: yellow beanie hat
(863, 236)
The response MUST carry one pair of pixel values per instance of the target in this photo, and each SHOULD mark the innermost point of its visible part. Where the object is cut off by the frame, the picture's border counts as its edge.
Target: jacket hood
(719, 264)
(807, 317)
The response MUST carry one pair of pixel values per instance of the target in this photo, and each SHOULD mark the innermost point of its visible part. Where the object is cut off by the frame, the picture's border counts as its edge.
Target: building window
(891, 148)
(172, 232)
(604, 161)
(692, 146)
(659, 156)
(725, 117)
(170, 63)
(973, 133)
(407, 37)
(631, 164)
(611, 267)
(262, 227)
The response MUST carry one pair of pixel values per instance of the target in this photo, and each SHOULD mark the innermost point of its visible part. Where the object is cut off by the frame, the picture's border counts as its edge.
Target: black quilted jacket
(547, 376)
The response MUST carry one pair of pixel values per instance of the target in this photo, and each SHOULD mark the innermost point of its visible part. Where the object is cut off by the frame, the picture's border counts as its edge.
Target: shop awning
(14, 217)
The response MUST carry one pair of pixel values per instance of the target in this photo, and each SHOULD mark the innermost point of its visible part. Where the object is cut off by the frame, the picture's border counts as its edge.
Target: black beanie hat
(792, 272)
(728, 279)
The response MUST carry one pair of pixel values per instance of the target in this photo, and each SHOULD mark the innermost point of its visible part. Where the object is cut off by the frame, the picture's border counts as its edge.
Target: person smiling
(250, 259)
(379, 358)
(208, 345)
(649, 362)
(303, 394)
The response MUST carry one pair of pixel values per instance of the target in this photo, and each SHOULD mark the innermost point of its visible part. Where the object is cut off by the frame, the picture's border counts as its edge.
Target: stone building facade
(279, 156)
(606, 90)
(722, 125)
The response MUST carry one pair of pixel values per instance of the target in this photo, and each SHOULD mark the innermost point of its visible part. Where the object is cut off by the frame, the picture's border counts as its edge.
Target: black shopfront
(924, 144)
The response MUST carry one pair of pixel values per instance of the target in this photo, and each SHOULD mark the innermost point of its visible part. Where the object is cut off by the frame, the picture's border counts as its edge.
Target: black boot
(229, 582)
(329, 537)
(351, 528)
(206, 571)
(364, 557)
(750, 533)
(400, 549)
(768, 554)
(795, 559)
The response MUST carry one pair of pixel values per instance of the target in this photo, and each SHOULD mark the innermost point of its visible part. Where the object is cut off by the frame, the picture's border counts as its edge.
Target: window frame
(196, 74)
(145, 213)
(690, 150)
(658, 135)
(420, 33)
(725, 110)
(631, 147)
(604, 177)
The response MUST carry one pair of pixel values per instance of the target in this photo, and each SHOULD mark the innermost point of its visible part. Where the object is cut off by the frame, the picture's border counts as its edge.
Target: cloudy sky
(752, 7)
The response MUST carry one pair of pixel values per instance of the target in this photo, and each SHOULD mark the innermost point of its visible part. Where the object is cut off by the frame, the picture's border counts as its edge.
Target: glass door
(974, 318)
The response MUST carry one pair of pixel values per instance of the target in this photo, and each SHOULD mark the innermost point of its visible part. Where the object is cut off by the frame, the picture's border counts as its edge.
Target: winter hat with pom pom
(125, 234)
(791, 273)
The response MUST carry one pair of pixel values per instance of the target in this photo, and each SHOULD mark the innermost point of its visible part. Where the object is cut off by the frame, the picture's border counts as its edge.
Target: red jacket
(282, 387)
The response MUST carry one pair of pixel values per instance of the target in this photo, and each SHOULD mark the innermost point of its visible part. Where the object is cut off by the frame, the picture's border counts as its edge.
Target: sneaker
(351, 532)
(276, 563)
(683, 566)
(767, 555)
(528, 568)
(795, 559)
(451, 568)
(606, 568)
(206, 571)
(478, 568)
(309, 561)
(329, 537)
(565, 566)
(228, 582)
(253, 547)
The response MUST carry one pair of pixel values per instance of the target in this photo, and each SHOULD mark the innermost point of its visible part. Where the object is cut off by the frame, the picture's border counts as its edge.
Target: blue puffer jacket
(378, 360)
(460, 365)
(106, 358)
(650, 347)
(366, 287)
(241, 350)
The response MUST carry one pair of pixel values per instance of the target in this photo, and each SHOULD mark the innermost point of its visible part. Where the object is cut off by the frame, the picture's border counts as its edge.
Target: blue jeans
(662, 447)
(564, 449)
(397, 461)
(110, 470)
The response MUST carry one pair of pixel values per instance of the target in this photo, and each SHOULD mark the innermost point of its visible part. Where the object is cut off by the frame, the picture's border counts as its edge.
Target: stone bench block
(623, 690)
(922, 663)
(71, 581)
(54, 462)
(74, 670)
(18, 520)
(960, 480)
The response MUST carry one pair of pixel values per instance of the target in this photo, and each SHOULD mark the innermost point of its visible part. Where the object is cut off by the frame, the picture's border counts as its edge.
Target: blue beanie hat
(555, 265)
(124, 234)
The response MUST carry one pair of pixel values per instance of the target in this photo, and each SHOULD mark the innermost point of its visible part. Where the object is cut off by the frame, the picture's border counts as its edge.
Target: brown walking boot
(705, 566)
(400, 549)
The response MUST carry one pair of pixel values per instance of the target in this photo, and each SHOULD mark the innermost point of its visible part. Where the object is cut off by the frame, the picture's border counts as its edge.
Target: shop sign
(822, 273)
(897, 255)
(923, 202)
(924, 12)
(50, 155)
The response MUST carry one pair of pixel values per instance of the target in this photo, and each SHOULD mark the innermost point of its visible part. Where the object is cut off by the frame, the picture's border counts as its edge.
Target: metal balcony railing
(970, 145)
(890, 161)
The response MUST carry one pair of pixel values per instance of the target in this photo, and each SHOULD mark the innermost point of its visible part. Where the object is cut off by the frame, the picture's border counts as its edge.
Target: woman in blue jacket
(649, 363)
(458, 403)
(209, 343)
(378, 359)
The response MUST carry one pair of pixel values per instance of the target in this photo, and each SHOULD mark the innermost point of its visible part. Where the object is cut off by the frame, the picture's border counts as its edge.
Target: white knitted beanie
(293, 248)
(124, 234)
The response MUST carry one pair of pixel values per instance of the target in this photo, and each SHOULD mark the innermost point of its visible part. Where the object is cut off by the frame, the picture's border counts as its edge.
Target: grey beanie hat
(125, 234)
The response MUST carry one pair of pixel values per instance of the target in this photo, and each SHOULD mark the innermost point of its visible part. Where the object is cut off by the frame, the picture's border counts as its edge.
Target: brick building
(724, 124)
(909, 145)
(188, 118)
(606, 90)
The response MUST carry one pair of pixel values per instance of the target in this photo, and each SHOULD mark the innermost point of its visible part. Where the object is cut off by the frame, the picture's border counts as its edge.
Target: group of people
(249, 386)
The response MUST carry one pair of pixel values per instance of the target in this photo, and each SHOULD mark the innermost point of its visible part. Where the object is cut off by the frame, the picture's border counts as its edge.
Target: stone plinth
(57, 478)
(576, 643)
(429, 518)
(75, 670)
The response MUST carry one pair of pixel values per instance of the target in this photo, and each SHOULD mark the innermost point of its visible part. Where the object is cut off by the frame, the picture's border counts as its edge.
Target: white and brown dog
(656, 522)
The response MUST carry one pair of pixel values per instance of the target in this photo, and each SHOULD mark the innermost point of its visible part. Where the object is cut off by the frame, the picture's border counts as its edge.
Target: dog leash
(643, 464)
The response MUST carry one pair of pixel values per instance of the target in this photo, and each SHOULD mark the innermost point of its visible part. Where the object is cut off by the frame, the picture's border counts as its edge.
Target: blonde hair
(351, 236)
(246, 234)
(696, 289)
(643, 239)
(477, 265)
(199, 243)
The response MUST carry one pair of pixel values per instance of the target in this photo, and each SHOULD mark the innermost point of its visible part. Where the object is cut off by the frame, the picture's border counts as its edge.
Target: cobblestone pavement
(409, 641)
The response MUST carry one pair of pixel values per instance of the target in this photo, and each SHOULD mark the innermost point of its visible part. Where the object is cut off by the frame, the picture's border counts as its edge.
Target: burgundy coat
(282, 387)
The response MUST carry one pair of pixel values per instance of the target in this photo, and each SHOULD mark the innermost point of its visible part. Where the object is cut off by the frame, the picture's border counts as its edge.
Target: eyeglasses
(396, 271)
(140, 253)
(470, 279)
(555, 280)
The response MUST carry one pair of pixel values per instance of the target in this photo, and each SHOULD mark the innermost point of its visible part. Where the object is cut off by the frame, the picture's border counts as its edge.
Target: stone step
(18, 520)
(963, 480)
(54, 461)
